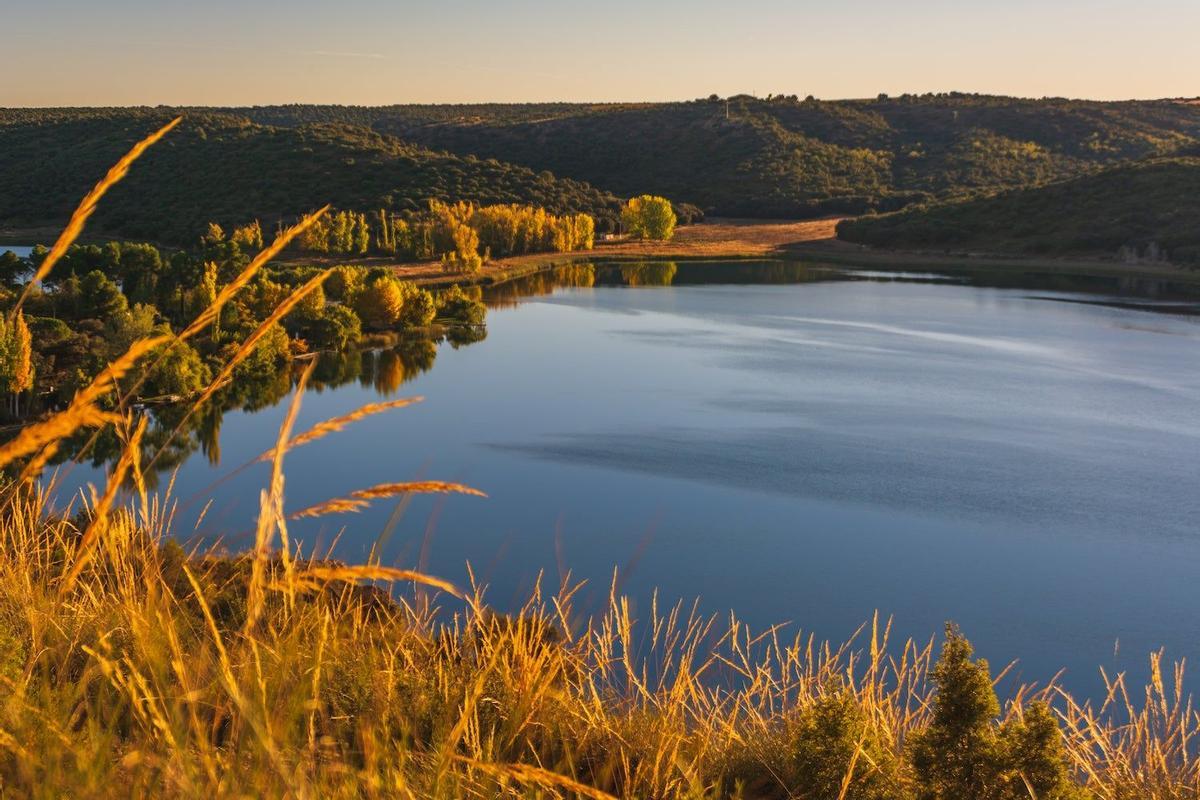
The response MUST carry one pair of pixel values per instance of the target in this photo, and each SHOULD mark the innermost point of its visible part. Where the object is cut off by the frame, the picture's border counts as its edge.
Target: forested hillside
(777, 157)
(1144, 211)
(786, 157)
(222, 167)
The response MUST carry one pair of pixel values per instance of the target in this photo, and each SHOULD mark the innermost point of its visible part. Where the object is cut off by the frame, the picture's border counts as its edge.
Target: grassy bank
(149, 672)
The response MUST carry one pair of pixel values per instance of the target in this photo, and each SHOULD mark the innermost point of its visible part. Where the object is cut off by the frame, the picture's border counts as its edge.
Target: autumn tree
(379, 303)
(16, 359)
(213, 234)
(204, 295)
(249, 237)
(343, 282)
(649, 217)
(419, 307)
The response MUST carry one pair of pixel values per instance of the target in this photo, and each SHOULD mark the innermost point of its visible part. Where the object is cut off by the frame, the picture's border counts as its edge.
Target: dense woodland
(225, 168)
(1141, 212)
(784, 156)
(781, 156)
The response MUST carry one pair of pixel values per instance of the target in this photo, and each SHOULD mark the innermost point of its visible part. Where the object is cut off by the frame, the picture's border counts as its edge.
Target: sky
(222, 52)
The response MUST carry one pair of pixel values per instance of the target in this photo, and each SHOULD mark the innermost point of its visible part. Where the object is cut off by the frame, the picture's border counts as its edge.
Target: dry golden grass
(361, 498)
(129, 668)
(335, 424)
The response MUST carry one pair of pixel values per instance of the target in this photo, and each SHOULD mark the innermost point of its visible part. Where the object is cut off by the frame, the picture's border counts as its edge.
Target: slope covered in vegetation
(1147, 211)
(225, 168)
(741, 156)
(784, 156)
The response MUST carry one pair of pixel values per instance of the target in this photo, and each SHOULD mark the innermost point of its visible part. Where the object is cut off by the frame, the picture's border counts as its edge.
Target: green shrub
(965, 753)
(456, 306)
(821, 748)
(337, 328)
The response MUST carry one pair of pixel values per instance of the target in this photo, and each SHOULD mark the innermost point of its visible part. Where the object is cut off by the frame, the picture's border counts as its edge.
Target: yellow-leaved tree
(16, 359)
(379, 303)
(649, 217)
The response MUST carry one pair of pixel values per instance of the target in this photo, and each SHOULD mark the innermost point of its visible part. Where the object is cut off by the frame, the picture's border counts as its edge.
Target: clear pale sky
(222, 52)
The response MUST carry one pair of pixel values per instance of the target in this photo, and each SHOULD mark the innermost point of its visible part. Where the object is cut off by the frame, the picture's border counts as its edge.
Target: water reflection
(172, 436)
(1159, 291)
(545, 282)
(653, 273)
(385, 370)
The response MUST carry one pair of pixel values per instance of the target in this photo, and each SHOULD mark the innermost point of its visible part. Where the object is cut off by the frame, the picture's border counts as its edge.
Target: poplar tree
(649, 217)
(16, 359)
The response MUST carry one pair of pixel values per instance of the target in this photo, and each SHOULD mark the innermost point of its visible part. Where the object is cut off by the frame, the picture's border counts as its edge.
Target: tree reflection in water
(384, 369)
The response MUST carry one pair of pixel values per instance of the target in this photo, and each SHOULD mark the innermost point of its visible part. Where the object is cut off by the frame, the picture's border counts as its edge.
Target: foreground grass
(129, 668)
(156, 673)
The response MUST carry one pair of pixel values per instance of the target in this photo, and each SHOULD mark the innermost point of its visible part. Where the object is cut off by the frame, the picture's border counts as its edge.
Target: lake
(795, 444)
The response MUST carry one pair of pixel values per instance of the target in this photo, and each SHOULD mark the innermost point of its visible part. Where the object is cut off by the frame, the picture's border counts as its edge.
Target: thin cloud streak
(340, 54)
(224, 48)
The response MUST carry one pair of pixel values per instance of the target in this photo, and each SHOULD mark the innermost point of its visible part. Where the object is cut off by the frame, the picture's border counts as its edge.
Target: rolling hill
(777, 157)
(1148, 210)
(225, 168)
(792, 157)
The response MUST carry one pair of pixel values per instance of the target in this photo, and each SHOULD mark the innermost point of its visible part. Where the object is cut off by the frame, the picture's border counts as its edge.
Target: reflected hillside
(781, 272)
(651, 273)
(510, 293)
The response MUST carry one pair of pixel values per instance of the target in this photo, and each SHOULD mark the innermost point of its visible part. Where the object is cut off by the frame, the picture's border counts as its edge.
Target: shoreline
(810, 240)
(721, 239)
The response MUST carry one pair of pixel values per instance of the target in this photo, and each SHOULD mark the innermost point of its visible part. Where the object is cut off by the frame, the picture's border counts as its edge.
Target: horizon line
(883, 96)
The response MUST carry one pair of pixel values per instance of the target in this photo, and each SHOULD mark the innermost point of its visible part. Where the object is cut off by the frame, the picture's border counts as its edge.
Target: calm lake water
(1022, 461)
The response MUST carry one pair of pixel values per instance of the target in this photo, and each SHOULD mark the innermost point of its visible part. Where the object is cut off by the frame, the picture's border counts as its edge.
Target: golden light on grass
(335, 424)
(317, 577)
(361, 498)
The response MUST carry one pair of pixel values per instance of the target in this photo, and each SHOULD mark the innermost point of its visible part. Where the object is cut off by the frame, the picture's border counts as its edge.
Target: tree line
(462, 235)
(100, 298)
